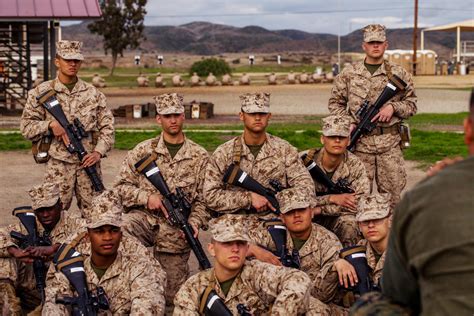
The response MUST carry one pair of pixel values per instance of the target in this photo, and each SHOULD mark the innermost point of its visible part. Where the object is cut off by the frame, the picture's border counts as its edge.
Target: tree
(218, 67)
(121, 26)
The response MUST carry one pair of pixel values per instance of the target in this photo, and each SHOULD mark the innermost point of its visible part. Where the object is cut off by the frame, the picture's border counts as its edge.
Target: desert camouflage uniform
(261, 287)
(131, 284)
(276, 160)
(184, 171)
(375, 266)
(134, 283)
(317, 258)
(87, 104)
(381, 154)
(21, 275)
(337, 218)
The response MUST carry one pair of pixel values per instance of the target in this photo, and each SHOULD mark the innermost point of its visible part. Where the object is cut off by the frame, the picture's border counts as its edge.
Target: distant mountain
(203, 38)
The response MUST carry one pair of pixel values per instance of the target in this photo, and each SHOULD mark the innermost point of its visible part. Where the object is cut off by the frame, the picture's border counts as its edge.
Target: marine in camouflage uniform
(380, 150)
(374, 223)
(78, 99)
(132, 281)
(263, 157)
(52, 222)
(262, 288)
(337, 211)
(318, 248)
(182, 163)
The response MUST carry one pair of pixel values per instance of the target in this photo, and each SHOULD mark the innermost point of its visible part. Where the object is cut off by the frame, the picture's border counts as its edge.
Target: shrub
(217, 66)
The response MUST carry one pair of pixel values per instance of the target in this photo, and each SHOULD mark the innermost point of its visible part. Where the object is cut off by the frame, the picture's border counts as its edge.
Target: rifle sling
(388, 69)
(271, 223)
(71, 245)
(237, 151)
(26, 209)
(48, 95)
(68, 262)
(205, 295)
(310, 156)
(233, 174)
(349, 252)
(153, 156)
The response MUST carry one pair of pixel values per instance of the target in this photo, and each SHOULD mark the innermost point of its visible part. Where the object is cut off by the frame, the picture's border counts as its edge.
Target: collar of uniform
(113, 271)
(360, 68)
(182, 154)
(267, 150)
(60, 87)
(307, 247)
(341, 170)
(235, 289)
(370, 254)
(56, 230)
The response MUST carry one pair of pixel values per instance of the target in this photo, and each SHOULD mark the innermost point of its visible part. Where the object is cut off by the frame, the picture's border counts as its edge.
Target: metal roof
(49, 10)
(467, 25)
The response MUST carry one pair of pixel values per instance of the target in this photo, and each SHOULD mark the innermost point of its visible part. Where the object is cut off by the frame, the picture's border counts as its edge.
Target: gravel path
(285, 99)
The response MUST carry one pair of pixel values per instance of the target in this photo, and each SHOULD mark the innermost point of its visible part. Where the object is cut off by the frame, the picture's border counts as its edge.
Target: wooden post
(415, 31)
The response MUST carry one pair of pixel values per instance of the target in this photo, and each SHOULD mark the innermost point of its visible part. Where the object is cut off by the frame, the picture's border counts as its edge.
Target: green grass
(429, 147)
(425, 119)
(13, 142)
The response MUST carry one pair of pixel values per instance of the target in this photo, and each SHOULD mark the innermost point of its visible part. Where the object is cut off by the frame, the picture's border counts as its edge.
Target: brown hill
(205, 38)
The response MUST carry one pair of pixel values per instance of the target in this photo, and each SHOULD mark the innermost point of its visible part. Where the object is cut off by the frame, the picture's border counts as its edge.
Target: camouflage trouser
(145, 228)
(72, 180)
(318, 308)
(374, 304)
(389, 172)
(177, 272)
(141, 226)
(9, 302)
(344, 226)
(16, 275)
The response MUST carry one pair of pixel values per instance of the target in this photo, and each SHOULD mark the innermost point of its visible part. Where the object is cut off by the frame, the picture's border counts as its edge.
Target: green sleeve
(398, 281)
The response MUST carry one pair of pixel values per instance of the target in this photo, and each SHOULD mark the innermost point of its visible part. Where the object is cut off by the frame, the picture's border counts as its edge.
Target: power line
(299, 12)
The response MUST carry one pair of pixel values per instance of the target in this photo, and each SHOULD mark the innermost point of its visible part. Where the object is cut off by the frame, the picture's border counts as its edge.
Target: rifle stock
(339, 187)
(236, 176)
(177, 206)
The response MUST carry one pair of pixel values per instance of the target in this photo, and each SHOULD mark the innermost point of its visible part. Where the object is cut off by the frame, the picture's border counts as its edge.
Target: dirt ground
(19, 173)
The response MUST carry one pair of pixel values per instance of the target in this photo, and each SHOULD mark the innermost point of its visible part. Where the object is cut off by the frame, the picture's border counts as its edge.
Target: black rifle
(278, 232)
(214, 306)
(176, 204)
(366, 113)
(71, 264)
(75, 132)
(339, 187)
(236, 176)
(28, 219)
(357, 258)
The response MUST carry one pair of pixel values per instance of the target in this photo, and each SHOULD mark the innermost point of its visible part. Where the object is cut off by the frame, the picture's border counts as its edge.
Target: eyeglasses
(374, 221)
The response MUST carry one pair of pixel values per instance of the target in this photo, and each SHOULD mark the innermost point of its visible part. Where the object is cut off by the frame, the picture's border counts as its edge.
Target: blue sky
(317, 16)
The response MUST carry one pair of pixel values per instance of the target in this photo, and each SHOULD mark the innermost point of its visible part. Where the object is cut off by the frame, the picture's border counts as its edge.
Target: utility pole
(415, 31)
